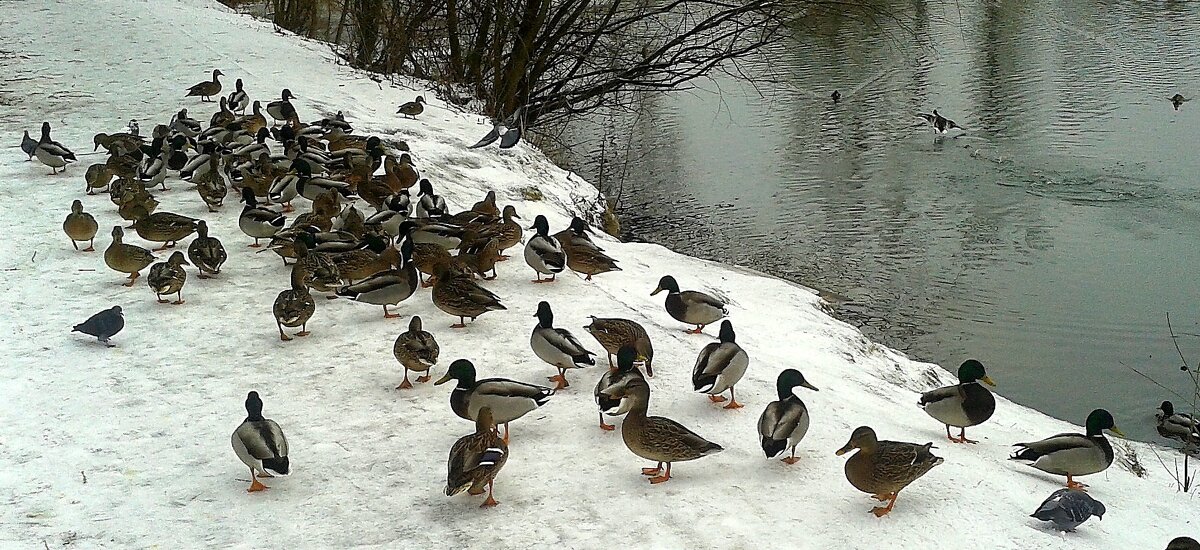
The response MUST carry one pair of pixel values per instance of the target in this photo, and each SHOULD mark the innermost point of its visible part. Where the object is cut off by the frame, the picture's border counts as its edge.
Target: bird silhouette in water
(836, 96)
(1178, 100)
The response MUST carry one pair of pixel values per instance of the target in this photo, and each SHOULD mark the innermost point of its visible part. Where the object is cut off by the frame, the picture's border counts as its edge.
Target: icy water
(1049, 241)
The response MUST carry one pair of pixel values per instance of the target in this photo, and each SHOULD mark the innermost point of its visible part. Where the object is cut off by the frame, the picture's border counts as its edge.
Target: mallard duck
(183, 124)
(168, 278)
(80, 226)
(476, 459)
(153, 168)
(135, 201)
(238, 99)
(612, 382)
(178, 158)
(206, 253)
(508, 232)
(412, 108)
(1073, 454)
(52, 153)
(121, 143)
(690, 306)
(657, 438)
(28, 145)
(260, 444)
(613, 333)
(456, 294)
(429, 204)
(939, 123)
(1178, 100)
(282, 110)
(164, 227)
(386, 287)
(508, 399)
(406, 175)
(212, 187)
(126, 258)
(429, 258)
(208, 88)
(98, 176)
(883, 468)
(1176, 425)
(481, 258)
(720, 366)
(445, 235)
(392, 213)
(1183, 543)
(1068, 509)
(255, 148)
(369, 256)
(124, 166)
(589, 261)
(258, 222)
(416, 350)
(557, 346)
(543, 252)
(318, 269)
(964, 404)
(784, 422)
(351, 221)
(576, 237)
(295, 306)
(224, 116)
(487, 205)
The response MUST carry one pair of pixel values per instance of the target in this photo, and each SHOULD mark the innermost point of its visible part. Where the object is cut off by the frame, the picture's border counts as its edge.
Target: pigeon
(1068, 508)
(103, 325)
(1183, 543)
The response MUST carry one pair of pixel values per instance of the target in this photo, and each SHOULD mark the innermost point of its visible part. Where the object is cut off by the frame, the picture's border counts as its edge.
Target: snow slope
(129, 447)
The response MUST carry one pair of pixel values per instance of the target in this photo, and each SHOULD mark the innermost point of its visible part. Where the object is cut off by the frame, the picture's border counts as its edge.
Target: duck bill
(847, 448)
(1118, 432)
(805, 384)
(988, 380)
(657, 289)
(442, 380)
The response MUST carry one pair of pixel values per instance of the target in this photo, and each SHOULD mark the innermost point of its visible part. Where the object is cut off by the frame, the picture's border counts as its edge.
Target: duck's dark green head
(1100, 420)
(578, 226)
(545, 315)
(287, 94)
(790, 379)
(1167, 408)
(374, 243)
(971, 371)
(727, 335)
(426, 187)
(248, 197)
(668, 284)
(262, 135)
(254, 407)
(626, 357)
(461, 370)
(541, 225)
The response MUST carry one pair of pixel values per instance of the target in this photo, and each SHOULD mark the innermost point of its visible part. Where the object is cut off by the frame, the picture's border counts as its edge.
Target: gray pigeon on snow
(1068, 508)
(103, 325)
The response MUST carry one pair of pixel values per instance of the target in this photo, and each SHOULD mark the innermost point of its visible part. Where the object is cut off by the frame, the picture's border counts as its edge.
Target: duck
(1177, 425)
(690, 306)
(153, 168)
(97, 176)
(256, 147)
(557, 346)
(351, 220)
(1073, 454)
(884, 468)
(224, 116)
(52, 153)
(613, 333)
(318, 269)
(784, 423)
(393, 212)
(475, 459)
(508, 232)
(370, 255)
(966, 403)
(28, 145)
(168, 278)
(720, 366)
(282, 110)
(80, 226)
(576, 236)
(589, 261)
(260, 444)
(1178, 100)
(206, 253)
(386, 287)
(429, 205)
(208, 88)
(258, 222)
(212, 187)
(183, 124)
(939, 123)
(836, 96)
(429, 259)
(656, 438)
(406, 175)
(481, 258)
(238, 99)
(412, 108)
(294, 307)
(121, 143)
(198, 166)
(416, 350)
(612, 381)
(487, 205)
(164, 227)
(126, 258)
(336, 121)
(177, 158)
(455, 293)
(508, 399)
(543, 252)
(445, 235)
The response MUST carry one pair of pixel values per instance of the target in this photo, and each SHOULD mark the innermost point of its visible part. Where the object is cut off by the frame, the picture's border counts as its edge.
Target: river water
(1049, 240)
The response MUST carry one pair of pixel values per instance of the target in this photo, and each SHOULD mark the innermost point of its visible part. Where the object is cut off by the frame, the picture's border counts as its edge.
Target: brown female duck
(475, 459)
(883, 468)
(80, 226)
(126, 258)
(168, 278)
(613, 333)
(657, 438)
(416, 350)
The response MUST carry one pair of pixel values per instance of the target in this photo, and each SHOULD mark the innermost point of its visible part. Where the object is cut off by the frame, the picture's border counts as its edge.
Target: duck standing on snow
(657, 438)
(429, 204)
(388, 287)
(557, 346)
(256, 221)
(475, 459)
(80, 226)
(208, 88)
(1073, 454)
(784, 422)
(612, 382)
(238, 100)
(508, 399)
(543, 253)
(967, 403)
(614, 333)
(690, 306)
(168, 278)
(412, 108)
(1068, 509)
(206, 253)
(52, 153)
(282, 110)
(416, 350)
(103, 325)
(1176, 425)
(583, 256)
(294, 307)
(126, 258)
(260, 444)
(457, 294)
(883, 468)
(719, 366)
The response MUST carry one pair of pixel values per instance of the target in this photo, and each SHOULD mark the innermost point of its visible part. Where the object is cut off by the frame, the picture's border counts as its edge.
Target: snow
(129, 447)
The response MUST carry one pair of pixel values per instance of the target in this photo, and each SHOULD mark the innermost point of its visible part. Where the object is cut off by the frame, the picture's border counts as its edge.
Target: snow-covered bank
(129, 447)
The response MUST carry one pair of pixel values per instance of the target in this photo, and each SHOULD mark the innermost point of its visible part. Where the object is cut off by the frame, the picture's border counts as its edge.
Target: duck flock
(273, 162)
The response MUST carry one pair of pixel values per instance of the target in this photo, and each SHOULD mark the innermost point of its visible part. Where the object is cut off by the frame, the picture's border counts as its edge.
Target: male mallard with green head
(690, 306)
(720, 366)
(260, 444)
(784, 423)
(557, 346)
(964, 404)
(1073, 454)
(508, 399)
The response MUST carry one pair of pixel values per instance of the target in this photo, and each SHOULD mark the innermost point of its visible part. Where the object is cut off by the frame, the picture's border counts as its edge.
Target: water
(1049, 241)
